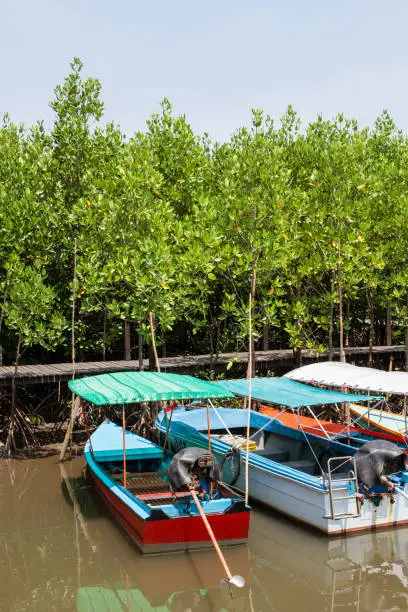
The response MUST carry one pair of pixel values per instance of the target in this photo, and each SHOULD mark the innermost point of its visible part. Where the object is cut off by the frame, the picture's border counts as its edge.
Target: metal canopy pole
(208, 426)
(124, 445)
(248, 431)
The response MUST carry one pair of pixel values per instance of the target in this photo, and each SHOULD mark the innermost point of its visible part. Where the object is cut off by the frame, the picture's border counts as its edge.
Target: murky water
(60, 550)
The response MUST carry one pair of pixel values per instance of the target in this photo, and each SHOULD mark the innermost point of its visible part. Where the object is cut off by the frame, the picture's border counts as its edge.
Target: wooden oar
(237, 581)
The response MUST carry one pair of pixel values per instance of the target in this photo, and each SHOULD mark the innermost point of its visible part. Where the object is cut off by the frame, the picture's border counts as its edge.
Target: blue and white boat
(312, 478)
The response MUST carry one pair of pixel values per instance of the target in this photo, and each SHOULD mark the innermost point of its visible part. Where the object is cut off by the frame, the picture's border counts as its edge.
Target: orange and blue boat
(337, 374)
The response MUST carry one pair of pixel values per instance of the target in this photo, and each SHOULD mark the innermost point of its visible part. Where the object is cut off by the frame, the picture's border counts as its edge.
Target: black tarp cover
(376, 458)
(184, 466)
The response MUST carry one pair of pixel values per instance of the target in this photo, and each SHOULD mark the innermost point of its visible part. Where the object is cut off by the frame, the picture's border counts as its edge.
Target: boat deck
(151, 488)
(148, 484)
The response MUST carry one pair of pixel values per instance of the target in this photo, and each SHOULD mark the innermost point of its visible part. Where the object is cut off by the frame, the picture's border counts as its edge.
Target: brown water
(60, 550)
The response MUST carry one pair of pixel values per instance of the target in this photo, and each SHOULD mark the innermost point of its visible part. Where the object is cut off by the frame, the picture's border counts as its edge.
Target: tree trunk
(140, 346)
(1, 325)
(340, 294)
(75, 409)
(217, 345)
(371, 329)
(346, 342)
(331, 327)
(388, 330)
(104, 337)
(251, 361)
(10, 435)
(150, 355)
(297, 353)
(265, 337)
(127, 353)
(152, 321)
(211, 339)
(406, 348)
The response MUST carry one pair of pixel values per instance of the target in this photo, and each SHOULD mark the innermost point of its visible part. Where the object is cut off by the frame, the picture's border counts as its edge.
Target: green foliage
(30, 307)
(169, 223)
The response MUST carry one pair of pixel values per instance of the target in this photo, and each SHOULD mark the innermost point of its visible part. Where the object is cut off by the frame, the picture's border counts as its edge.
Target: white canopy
(339, 374)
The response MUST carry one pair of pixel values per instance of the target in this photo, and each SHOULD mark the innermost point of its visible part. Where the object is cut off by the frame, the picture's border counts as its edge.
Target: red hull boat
(156, 518)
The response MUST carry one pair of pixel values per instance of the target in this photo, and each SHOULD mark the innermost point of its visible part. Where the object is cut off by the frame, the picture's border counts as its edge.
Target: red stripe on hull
(175, 533)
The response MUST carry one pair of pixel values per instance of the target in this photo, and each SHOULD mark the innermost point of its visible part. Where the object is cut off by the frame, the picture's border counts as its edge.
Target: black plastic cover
(376, 458)
(184, 468)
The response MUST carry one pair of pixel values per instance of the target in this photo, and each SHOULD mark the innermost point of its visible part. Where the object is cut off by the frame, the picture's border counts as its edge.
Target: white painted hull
(309, 504)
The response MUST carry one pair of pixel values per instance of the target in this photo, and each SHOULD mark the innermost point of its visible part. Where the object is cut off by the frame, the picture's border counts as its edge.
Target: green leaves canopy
(167, 222)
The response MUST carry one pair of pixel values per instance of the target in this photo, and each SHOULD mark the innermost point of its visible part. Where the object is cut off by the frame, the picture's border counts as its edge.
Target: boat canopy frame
(292, 395)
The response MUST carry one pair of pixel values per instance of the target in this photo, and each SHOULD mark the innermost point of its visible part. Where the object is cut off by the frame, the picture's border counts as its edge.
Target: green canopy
(285, 392)
(133, 387)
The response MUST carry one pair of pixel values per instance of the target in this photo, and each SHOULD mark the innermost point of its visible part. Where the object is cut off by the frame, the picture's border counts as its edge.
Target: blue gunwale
(185, 432)
(136, 505)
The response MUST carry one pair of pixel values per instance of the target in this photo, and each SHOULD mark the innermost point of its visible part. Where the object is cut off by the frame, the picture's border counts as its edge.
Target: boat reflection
(59, 552)
(119, 577)
(360, 572)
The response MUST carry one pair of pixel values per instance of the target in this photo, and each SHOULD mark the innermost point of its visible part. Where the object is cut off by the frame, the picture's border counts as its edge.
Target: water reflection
(361, 572)
(60, 550)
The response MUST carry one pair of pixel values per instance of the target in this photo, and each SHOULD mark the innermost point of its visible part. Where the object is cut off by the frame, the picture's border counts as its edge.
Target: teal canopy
(285, 392)
(133, 387)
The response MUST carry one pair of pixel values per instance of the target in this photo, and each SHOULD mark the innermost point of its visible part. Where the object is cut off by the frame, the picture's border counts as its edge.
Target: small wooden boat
(381, 421)
(333, 374)
(132, 475)
(323, 428)
(331, 482)
(156, 518)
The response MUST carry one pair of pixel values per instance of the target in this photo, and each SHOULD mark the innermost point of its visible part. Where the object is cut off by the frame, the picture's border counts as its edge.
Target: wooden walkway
(60, 372)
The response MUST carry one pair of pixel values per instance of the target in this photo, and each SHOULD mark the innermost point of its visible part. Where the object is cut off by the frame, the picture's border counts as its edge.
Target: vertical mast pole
(74, 407)
(124, 445)
(208, 427)
(249, 403)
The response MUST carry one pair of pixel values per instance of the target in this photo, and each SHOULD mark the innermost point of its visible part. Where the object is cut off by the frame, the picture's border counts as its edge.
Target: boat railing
(320, 426)
(348, 482)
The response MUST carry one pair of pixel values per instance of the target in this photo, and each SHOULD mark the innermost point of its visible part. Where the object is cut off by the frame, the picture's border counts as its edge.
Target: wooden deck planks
(59, 372)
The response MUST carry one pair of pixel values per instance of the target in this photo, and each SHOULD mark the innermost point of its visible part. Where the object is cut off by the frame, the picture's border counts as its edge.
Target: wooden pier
(284, 358)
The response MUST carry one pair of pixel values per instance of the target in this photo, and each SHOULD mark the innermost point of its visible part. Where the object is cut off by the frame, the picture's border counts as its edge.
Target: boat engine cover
(378, 458)
(190, 465)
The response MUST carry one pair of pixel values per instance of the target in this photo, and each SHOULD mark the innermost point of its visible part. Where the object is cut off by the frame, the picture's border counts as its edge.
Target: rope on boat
(311, 448)
(268, 423)
(233, 451)
(167, 429)
(221, 419)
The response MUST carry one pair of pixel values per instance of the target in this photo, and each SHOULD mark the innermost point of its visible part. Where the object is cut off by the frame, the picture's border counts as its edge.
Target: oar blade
(237, 581)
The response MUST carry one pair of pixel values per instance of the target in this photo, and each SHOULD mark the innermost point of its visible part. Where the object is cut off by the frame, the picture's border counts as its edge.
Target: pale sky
(214, 60)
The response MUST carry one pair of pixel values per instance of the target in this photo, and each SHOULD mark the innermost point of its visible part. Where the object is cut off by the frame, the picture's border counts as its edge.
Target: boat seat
(279, 456)
(148, 483)
(303, 465)
(134, 475)
(164, 498)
